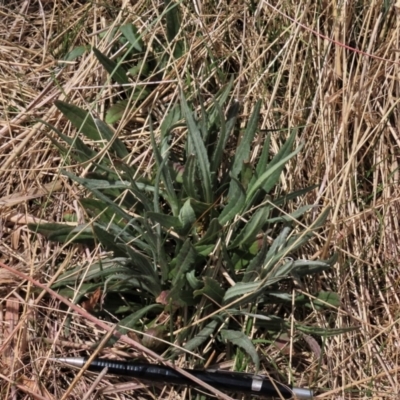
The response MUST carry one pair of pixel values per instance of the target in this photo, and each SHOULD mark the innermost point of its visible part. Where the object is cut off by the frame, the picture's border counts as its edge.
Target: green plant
(193, 235)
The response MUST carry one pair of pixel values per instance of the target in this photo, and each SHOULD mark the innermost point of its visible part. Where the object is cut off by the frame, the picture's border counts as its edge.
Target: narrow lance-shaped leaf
(116, 144)
(187, 216)
(253, 227)
(116, 71)
(80, 119)
(200, 152)
(129, 322)
(215, 115)
(173, 27)
(202, 336)
(189, 177)
(261, 181)
(235, 204)
(243, 150)
(92, 128)
(283, 152)
(212, 289)
(242, 340)
(163, 171)
(132, 34)
(225, 131)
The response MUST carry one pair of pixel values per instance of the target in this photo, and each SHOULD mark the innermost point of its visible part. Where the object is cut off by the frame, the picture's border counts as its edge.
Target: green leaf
(133, 36)
(325, 332)
(193, 282)
(292, 217)
(116, 145)
(163, 170)
(211, 289)
(80, 119)
(263, 161)
(275, 252)
(201, 337)
(246, 174)
(269, 177)
(321, 300)
(283, 152)
(205, 249)
(144, 268)
(252, 228)
(171, 119)
(95, 271)
(184, 261)
(200, 152)
(64, 233)
(294, 195)
(174, 27)
(129, 322)
(116, 111)
(215, 116)
(142, 68)
(241, 289)
(236, 202)
(256, 264)
(75, 53)
(243, 151)
(242, 340)
(189, 177)
(225, 132)
(187, 216)
(212, 234)
(308, 267)
(108, 241)
(93, 129)
(165, 220)
(116, 71)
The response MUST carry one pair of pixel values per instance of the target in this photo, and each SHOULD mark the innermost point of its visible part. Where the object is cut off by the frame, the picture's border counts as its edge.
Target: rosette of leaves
(170, 236)
(202, 237)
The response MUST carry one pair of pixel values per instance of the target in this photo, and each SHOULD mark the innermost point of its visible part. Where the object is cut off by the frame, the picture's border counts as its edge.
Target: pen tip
(75, 361)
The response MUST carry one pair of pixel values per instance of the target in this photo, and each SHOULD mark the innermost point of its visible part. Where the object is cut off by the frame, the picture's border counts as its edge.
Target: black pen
(224, 380)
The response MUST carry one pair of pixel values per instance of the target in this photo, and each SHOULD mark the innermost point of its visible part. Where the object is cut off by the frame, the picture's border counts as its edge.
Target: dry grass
(293, 57)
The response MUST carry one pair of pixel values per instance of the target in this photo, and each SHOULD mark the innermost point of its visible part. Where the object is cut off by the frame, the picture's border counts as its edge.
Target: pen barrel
(232, 382)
